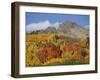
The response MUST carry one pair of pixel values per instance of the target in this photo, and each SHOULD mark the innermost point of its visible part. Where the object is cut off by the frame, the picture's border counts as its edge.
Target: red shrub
(47, 52)
(74, 50)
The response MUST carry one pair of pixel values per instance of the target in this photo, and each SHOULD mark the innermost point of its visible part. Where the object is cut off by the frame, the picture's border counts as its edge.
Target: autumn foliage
(48, 51)
(56, 49)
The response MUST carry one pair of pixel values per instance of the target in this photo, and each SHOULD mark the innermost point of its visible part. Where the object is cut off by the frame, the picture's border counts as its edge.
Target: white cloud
(86, 27)
(56, 25)
(40, 25)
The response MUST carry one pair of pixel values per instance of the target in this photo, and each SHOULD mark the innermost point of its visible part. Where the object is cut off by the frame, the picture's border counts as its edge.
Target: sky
(35, 21)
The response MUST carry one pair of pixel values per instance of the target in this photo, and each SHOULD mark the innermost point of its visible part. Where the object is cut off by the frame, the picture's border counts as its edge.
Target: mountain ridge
(69, 28)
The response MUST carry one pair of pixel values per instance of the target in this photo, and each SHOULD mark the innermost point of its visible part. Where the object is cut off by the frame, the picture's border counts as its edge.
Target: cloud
(86, 27)
(56, 25)
(40, 26)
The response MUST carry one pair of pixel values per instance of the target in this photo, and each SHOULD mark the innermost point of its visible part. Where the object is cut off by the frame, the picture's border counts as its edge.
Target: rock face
(72, 29)
(50, 30)
(68, 28)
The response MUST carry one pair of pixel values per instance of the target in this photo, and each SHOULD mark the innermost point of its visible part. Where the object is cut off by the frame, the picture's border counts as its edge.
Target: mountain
(72, 29)
(50, 30)
(67, 28)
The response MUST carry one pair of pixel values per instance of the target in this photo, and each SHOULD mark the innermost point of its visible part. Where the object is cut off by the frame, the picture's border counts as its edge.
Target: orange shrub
(48, 51)
(74, 50)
